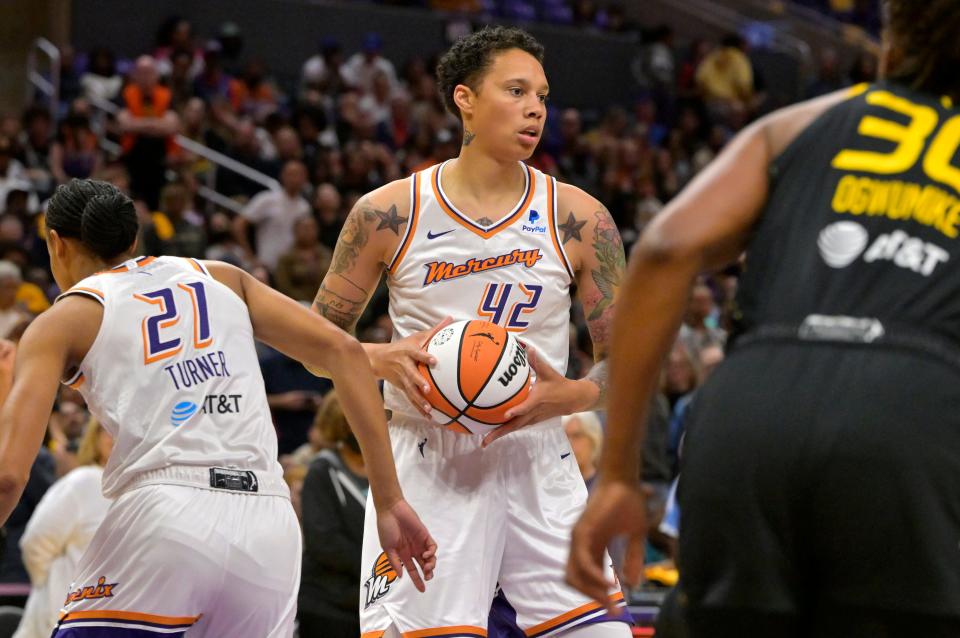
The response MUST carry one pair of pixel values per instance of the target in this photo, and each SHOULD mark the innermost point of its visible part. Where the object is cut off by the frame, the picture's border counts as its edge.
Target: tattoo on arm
(571, 228)
(342, 308)
(390, 219)
(599, 299)
(345, 305)
(353, 238)
(356, 233)
(599, 375)
(608, 247)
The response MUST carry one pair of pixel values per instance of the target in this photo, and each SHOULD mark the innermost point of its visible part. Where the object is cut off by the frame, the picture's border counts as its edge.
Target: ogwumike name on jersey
(898, 200)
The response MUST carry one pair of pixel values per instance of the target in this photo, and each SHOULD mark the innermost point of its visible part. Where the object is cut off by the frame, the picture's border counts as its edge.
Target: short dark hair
(470, 57)
(926, 33)
(96, 213)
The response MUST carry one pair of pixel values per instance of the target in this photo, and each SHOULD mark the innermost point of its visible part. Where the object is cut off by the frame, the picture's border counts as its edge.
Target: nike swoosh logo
(563, 456)
(432, 235)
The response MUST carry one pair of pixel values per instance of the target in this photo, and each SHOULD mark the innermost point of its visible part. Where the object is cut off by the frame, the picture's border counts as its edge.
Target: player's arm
(705, 227)
(57, 337)
(367, 242)
(285, 325)
(601, 261)
(374, 227)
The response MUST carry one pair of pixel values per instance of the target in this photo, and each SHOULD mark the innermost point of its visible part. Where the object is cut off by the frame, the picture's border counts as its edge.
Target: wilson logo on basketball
(519, 361)
(382, 576)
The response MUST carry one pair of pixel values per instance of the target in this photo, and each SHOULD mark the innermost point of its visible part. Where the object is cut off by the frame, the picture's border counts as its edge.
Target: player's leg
(848, 622)
(154, 564)
(740, 529)
(446, 478)
(599, 630)
(741, 622)
(671, 619)
(545, 496)
(884, 512)
(258, 595)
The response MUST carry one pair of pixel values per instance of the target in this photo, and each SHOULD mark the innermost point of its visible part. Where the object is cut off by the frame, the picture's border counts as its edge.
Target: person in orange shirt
(148, 125)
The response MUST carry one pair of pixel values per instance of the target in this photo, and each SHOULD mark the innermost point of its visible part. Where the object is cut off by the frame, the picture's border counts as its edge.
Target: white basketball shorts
(501, 515)
(173, 560)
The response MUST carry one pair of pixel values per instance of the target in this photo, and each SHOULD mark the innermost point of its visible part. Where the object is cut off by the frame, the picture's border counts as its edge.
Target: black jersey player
(820, 487)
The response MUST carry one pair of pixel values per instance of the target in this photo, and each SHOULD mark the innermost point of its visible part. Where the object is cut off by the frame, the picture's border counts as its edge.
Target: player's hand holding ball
(397, 362)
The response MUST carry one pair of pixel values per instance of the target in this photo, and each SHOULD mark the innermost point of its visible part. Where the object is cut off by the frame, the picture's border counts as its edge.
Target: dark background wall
(284, 33)
(21, 22)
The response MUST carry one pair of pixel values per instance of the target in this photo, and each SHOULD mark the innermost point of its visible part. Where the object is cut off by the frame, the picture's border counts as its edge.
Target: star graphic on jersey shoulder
(571, 228)
(390, 219)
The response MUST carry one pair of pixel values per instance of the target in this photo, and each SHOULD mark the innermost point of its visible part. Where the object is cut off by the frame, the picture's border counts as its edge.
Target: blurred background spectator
(585, 434)
(334, 498)
(59, 531)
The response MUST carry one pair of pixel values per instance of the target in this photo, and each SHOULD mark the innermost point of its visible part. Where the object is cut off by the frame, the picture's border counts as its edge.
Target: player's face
(510, 108)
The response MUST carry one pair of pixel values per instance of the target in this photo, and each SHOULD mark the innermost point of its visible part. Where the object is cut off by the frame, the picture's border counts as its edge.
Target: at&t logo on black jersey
(842, 243)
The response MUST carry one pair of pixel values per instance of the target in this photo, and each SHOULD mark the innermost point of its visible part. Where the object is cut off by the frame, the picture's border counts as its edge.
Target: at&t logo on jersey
(842, 243)
(212, 404)
(378, 585)
(181, 412)
(438, 271)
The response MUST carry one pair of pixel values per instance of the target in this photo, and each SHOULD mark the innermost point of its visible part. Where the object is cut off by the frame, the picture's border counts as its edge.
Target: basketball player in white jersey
(484, 236)
(202, 539)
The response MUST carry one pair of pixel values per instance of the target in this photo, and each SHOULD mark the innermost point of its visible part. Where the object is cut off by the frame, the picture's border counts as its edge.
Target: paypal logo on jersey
(534, 227)
(181, 412)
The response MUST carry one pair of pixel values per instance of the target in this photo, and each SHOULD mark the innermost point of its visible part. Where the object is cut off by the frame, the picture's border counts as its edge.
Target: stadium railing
(50, 88)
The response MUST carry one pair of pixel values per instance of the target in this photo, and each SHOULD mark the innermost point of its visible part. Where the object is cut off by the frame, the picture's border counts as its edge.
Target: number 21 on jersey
(159, 341)
(495, 301)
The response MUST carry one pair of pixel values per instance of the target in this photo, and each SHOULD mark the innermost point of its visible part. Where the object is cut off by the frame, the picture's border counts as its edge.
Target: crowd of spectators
(354, 121)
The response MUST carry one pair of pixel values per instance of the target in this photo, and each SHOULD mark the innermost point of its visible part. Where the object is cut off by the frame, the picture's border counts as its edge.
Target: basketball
(481, 372)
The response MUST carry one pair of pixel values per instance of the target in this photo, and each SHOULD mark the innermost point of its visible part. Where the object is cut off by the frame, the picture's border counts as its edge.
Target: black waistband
(863, 331)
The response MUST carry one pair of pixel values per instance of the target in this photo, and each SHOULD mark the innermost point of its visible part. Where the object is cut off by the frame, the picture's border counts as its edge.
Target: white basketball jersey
(173, 374)
(513, 273)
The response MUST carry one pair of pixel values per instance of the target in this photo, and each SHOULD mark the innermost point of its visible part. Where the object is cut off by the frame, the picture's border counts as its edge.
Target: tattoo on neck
(485, 221)
(468, 137)
(571, 228)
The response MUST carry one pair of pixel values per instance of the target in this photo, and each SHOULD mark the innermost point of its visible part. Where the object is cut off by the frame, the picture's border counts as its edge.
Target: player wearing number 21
(484, 236)
(162, 349)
